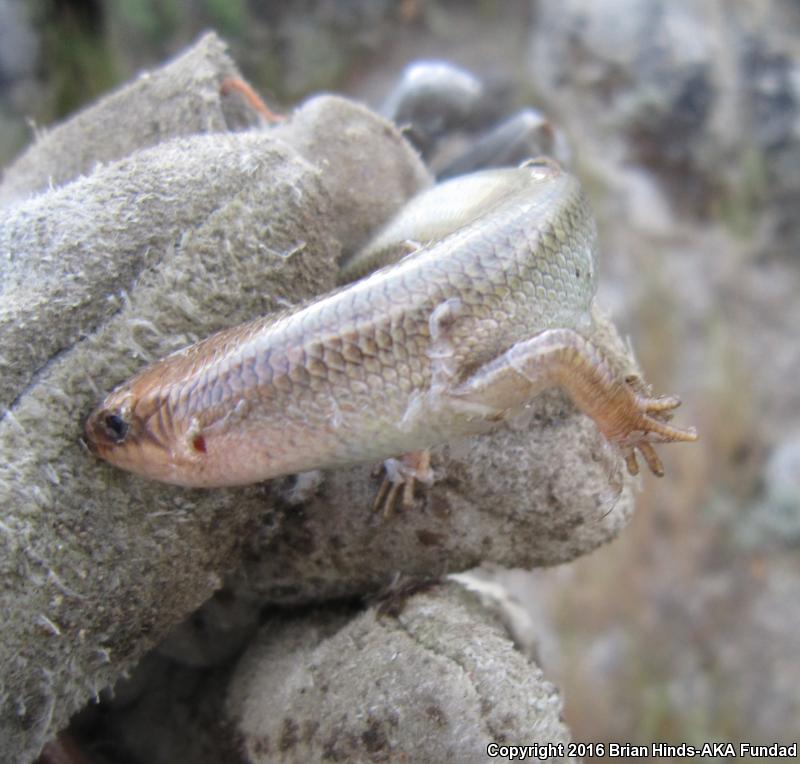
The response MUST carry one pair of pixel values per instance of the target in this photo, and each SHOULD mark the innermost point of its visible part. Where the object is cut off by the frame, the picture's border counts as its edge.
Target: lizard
(481, 299)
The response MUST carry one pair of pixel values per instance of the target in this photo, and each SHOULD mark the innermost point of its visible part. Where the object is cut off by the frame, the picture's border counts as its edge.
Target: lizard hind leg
(624, 414)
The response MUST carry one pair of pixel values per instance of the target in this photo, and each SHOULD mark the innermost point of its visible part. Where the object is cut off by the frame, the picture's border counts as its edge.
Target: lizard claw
(651, 426)
(660, 404)
(651, 458)
(402, 473)
(386, 499)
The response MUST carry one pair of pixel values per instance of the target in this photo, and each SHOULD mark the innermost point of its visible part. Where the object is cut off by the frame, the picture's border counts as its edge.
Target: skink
(490, 307)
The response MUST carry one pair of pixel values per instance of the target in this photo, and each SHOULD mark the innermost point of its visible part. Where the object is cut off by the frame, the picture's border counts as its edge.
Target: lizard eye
(116, 427)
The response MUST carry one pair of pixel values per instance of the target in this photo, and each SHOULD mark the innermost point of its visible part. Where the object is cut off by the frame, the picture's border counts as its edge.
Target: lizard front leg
(625, 415)
(403, 472)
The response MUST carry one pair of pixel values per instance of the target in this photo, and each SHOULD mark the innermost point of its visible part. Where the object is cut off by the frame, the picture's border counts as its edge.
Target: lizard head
(133, 429)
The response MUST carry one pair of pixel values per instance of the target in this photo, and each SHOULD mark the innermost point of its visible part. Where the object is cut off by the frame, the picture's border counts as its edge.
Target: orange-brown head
(134, 428)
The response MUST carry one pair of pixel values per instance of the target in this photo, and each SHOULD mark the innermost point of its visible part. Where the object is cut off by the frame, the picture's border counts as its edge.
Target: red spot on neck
(199, 444)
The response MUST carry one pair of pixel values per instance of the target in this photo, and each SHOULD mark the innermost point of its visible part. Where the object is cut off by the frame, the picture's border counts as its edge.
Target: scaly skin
(442, 344)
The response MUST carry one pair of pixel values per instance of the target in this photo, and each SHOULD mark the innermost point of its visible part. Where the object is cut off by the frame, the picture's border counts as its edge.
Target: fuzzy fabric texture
(180, 99)
(439, 680)
(159, 248)
(100, 275)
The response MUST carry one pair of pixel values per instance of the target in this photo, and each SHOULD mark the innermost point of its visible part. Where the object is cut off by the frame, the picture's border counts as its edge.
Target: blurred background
(683, 121)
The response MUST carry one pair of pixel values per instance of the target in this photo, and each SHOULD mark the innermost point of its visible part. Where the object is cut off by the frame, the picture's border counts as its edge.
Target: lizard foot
(645, 423)
(623, 408)
(402, 473)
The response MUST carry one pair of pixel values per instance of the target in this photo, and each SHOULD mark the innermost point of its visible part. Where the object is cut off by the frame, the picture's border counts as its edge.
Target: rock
(774, 520)
(705, 96)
